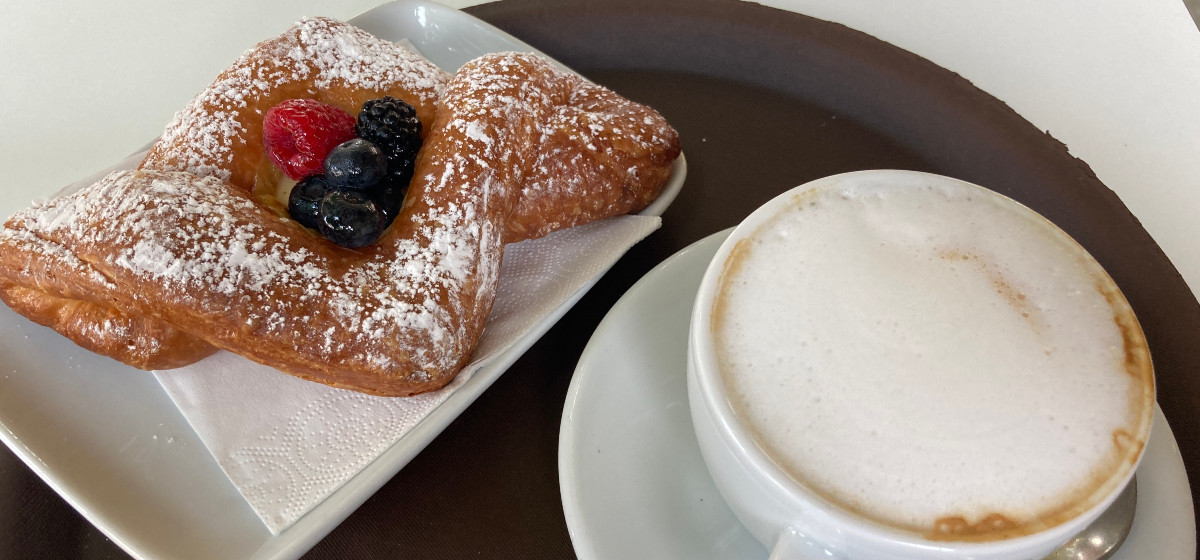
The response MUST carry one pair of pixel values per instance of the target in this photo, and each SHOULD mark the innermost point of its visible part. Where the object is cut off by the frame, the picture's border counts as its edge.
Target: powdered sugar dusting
(212, 249)
(315, 54)
(402, 316)
(410, 307)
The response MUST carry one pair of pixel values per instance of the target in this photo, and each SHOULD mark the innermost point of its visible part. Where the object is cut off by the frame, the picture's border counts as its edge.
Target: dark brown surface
(764, 100)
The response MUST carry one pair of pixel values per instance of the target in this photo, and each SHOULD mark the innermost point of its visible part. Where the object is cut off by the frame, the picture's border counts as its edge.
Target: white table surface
(87, 83)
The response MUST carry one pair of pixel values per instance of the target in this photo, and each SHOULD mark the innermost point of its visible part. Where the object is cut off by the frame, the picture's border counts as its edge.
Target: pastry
(157, 266)
(219, 133)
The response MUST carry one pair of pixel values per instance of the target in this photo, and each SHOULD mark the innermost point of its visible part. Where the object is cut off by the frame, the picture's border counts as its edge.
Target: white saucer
(633, 482)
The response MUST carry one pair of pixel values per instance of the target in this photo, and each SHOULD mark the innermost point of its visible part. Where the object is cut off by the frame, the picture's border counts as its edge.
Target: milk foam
(929, 353)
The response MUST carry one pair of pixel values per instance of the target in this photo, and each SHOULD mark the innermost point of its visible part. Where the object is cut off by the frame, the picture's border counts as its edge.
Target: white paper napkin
(287, 444)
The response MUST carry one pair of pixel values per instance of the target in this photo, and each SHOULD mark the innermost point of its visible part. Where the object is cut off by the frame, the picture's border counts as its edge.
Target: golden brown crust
(517, 149)
(219, 133)
(136, 341)
(628, 147)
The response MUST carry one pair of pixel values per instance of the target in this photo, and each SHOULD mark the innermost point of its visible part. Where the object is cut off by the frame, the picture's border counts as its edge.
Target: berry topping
(389, 197)
(299, 133)
(392, 125)
(350, 219)
(350, 189)
(305, 200)
(355, 164)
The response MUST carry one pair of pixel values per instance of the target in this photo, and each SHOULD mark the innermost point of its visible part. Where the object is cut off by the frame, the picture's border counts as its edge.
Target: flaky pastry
(158, 266)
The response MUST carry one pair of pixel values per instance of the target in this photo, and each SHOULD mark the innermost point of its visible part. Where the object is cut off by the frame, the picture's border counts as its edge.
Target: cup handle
(794, 545)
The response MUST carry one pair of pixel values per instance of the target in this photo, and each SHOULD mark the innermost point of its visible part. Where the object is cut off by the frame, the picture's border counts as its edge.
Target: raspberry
(298, 133)
(393, 126)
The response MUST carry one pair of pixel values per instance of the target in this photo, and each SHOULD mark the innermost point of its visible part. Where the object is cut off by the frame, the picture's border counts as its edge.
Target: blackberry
(393, 126)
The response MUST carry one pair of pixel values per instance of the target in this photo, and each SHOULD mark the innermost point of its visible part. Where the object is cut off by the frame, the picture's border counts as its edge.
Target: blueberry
(305, 200)
(355, 164)
(350, 219)
(389, 197)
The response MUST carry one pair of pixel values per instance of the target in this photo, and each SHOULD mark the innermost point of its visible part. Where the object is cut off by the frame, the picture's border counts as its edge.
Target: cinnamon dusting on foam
(1137, 354)
(733, 263)
(960, 528)
(1014, 296)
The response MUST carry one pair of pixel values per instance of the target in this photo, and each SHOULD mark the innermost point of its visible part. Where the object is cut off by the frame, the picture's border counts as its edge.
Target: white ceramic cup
(791, 519)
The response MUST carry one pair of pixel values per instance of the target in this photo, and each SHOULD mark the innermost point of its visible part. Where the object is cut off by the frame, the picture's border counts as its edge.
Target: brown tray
(764, 100)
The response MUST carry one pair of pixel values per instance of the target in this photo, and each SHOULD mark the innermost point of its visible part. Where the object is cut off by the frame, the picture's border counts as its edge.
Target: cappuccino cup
(899, 365)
